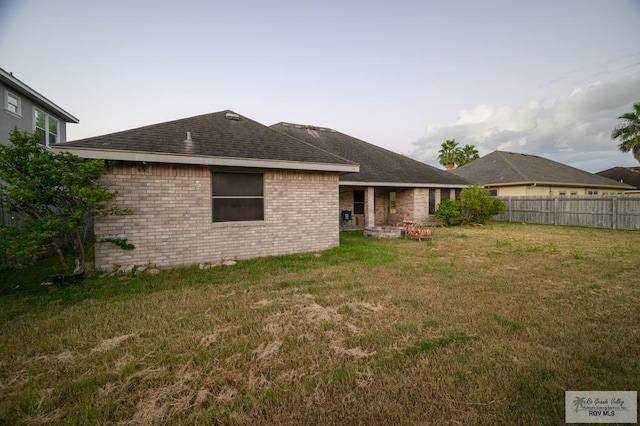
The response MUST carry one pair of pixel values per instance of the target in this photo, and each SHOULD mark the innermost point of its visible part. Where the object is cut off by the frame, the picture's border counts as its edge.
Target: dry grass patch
(484, 325)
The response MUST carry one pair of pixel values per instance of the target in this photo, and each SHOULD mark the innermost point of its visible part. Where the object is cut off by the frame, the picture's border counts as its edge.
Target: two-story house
(27, 110)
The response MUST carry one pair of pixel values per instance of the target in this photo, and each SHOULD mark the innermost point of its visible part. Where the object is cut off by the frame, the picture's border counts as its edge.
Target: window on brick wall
(358, 202)
(432, 201)
(237, 197)
(392, 202)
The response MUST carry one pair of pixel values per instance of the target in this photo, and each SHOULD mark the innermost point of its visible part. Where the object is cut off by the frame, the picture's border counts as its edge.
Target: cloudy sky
(546, 77)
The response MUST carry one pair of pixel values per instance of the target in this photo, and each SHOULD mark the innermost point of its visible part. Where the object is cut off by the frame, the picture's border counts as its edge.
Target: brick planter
(382, 232)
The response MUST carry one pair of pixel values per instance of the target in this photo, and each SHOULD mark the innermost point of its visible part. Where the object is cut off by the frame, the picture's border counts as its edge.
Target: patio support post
(370, 216)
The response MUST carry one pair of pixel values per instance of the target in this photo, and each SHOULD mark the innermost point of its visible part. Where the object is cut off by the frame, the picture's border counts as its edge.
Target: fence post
(555, 210)
(509, 208)
(614, 212)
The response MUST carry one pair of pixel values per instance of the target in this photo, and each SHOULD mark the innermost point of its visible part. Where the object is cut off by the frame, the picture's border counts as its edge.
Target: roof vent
(189, 136)
(232, 116)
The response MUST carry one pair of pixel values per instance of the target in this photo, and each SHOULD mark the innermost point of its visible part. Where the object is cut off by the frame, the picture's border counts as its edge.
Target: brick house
(388, 188)
(214, 187)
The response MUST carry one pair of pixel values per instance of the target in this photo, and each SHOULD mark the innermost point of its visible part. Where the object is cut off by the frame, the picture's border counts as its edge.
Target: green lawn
(483, 325)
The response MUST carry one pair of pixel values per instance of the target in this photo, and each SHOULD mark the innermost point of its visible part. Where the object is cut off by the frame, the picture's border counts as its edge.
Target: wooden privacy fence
(611, 211)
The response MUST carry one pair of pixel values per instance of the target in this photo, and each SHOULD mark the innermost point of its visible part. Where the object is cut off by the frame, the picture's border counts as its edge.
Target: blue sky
(546, 77)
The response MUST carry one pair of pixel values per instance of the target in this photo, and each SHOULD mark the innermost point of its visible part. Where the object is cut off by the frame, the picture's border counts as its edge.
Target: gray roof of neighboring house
(512, 168)
(377, 165)
(13, 83)
(220, 138)
(628, 175)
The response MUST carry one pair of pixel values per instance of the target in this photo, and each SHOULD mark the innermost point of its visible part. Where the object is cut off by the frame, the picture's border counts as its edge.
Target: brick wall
(171, 223)
(405, 204)
(381, 206)
(421, 203)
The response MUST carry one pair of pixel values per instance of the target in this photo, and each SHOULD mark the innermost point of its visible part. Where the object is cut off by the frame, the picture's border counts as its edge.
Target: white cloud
(574, 129)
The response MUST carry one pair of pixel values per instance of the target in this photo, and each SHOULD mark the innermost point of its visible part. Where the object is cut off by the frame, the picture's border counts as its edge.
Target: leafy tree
(466, 155)
(448, 153)
(478, 206)
(55, 194)
(628, 132)
(448, 211)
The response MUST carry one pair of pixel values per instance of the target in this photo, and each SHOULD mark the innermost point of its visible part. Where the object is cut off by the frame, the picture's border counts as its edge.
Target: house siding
(9, 121)
(546, 190)
(171, 223)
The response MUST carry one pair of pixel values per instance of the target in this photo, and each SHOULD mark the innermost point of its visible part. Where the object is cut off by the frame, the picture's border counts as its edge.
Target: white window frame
(48, 119)
(18, 112)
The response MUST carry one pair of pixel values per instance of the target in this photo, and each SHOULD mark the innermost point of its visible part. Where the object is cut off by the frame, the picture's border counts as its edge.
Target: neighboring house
(28, 110)
(628, 175)
(515, 174)
(214, 187)
(389, 187)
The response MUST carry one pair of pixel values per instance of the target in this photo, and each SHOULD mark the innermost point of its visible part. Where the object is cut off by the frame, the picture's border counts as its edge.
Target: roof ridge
(510, 163)
(357, 139)
(310, 144)
(156, 124)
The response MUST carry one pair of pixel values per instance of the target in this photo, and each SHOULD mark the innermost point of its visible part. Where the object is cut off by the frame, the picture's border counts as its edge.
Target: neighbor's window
(358, 202)
(392, 202)
(563, 194)
(592, 192)
(12, 103)
(573, 194)
(237, 197)
(458, 191)
(493, 192)
(46, 126)
(445, 194)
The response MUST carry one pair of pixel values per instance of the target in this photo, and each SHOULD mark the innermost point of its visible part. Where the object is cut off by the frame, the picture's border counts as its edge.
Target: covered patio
(366, 207)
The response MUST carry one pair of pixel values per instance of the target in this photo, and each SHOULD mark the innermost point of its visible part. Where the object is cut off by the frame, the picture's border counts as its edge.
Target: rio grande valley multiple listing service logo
(601, 406)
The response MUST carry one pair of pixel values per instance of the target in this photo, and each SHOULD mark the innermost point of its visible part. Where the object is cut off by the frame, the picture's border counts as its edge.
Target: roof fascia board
(402, 185)
(106, 154)
(14, 83)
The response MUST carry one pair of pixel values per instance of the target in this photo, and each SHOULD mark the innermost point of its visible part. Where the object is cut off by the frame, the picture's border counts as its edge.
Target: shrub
(56, 196)
(448, 211)
(477, 205)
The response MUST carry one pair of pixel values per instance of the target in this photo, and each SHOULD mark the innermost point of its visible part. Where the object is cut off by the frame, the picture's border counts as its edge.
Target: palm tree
(628, 132)
(579, 402)
(448, 153)
(466, 155)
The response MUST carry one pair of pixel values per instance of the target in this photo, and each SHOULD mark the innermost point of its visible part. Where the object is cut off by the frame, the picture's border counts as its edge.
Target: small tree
(448, 211)
(478, 206)
(55, 194)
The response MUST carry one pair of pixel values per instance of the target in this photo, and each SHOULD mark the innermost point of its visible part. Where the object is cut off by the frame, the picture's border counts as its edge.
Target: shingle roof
(377, 165)
(628, 175)
(223, 134)
(501, 167)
